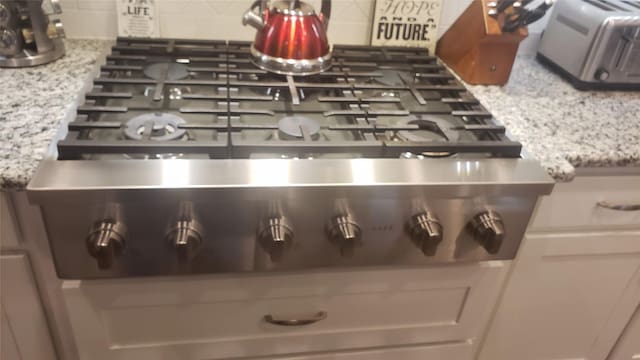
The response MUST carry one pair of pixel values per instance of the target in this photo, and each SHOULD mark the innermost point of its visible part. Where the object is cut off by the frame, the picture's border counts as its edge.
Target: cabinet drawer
(628, 346)
(213, 317)
(568, 297)
(457, 351)
(576, 204)
(9, 235)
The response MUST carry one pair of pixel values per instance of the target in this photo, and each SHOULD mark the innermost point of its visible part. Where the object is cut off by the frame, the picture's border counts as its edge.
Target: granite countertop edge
(563, 128)
(36, 102)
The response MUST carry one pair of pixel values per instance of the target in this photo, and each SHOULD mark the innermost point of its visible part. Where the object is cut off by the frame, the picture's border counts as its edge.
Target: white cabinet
(447, 351)
(562, 295)
(628, 347)
(9, 234)
(217, 317)
(8, 344)
(576, 282)
(33, 316)
(24, 334)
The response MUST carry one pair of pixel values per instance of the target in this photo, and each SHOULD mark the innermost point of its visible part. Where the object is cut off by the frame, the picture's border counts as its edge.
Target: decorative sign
(411, 23)
(138, 18)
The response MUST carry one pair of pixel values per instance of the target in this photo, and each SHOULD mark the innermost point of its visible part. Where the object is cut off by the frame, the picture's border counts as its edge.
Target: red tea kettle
(291, 38)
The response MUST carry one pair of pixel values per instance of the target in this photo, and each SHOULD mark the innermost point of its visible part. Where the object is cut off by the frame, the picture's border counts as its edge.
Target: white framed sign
(411, 23)
(138, 18)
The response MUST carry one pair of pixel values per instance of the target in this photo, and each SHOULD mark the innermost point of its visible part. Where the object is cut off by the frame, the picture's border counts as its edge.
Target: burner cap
(155, 126)
(431, 128)
(174, 71)
(292, 127)
(392, 77)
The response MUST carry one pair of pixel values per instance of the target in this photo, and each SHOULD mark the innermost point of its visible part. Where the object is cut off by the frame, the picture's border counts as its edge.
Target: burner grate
(361, 107)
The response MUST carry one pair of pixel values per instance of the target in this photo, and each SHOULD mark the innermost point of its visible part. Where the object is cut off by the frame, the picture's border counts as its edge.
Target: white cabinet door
(448, 351)
(569, 297)
(9, 234)
(628, 347)
(216, 317)
(25, 334)
(8, 344)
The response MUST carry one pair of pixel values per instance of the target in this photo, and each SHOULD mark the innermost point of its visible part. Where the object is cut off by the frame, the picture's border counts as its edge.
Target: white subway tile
(348, 12)
(69, 4)
(350, 33)
(228, 28)
(83, 24)
(230, 7)
(199, 8)
(449, 13)
(171, 6)
(221, 19)
(366, 6)
(96, 5)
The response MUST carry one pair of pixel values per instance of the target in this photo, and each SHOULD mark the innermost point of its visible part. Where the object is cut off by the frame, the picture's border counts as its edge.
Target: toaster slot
(598, 4)
(633, 3)
(628, 60)
(613, 5)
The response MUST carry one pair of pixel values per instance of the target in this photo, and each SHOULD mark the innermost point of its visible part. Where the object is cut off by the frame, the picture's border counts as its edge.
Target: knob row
(106, 238)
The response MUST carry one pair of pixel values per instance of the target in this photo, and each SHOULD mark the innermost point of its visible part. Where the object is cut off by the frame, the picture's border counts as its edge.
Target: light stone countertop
(34, 104)
(562, 127)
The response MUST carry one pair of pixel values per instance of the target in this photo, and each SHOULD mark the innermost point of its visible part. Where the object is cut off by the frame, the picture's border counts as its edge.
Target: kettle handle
(256, 20)
(264, 5)
(325, 12)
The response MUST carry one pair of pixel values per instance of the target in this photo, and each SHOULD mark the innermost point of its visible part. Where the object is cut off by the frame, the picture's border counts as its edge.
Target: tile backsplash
(220, 19)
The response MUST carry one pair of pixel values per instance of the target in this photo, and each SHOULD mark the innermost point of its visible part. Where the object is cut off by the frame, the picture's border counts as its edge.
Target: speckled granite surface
(558, 125)
(562, 127)
(34, 103)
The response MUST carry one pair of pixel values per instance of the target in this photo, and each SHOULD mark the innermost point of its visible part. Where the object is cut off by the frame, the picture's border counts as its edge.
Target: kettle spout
(253, 19)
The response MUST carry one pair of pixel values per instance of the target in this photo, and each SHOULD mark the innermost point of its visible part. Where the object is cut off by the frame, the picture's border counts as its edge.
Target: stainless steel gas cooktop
(186, 158)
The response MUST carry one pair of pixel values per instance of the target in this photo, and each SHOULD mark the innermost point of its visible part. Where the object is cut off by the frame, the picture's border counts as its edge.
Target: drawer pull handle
(606, 205)
(296, 322)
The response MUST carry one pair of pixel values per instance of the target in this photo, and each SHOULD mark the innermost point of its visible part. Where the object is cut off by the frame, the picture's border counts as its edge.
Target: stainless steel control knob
(185, 237)
(105, 242)
(345, 233)
(426, 232)
(488, 229)
(275, 236)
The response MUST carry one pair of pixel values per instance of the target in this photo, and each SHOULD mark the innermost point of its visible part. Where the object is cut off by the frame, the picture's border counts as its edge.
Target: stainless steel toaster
(595, 44)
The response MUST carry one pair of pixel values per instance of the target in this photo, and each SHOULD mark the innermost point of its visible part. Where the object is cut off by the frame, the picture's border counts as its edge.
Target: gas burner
(155, 126)
(173, 71)
(298, 127)
(175, 93)
(431, 128)
(388, 94)
(393, 78)
(280, 94)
